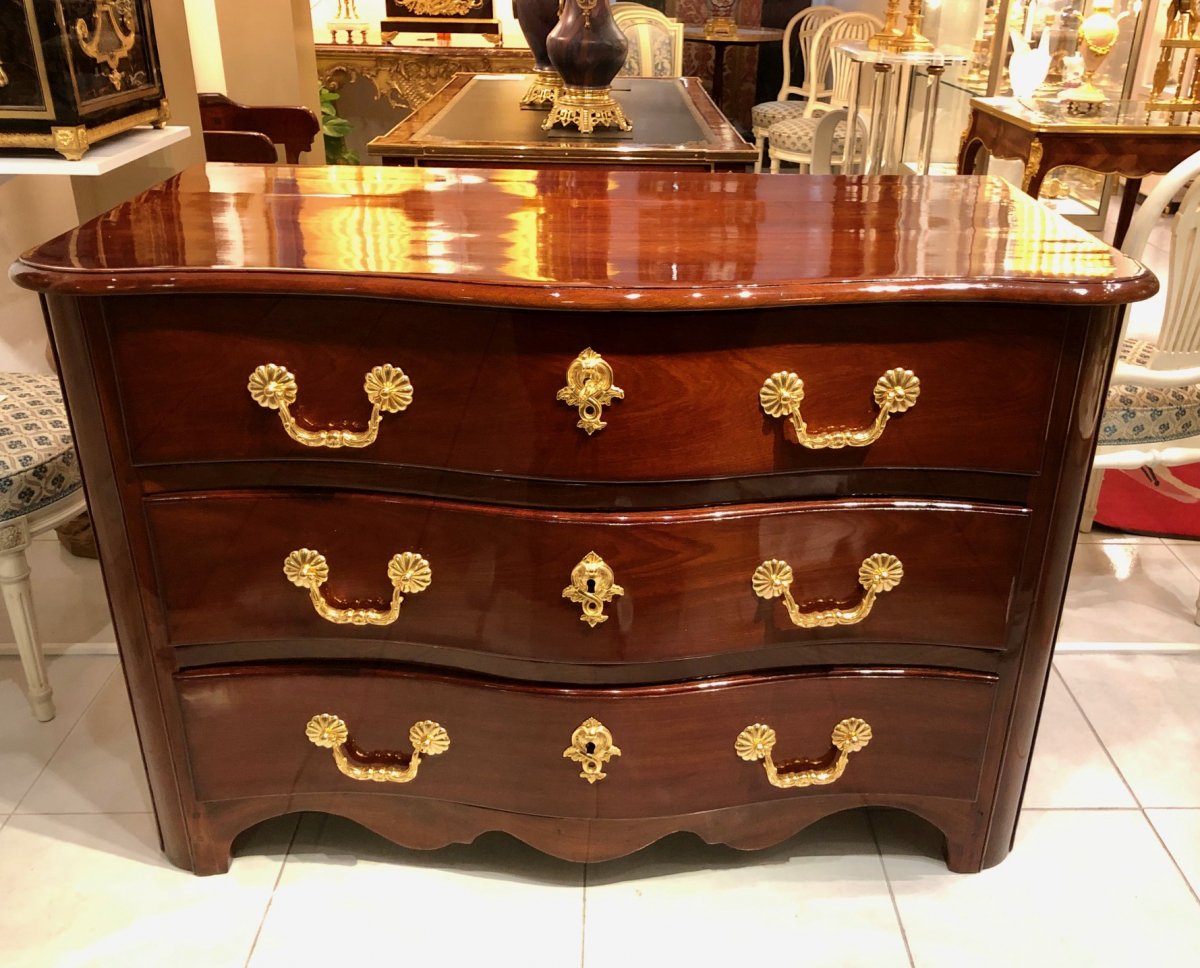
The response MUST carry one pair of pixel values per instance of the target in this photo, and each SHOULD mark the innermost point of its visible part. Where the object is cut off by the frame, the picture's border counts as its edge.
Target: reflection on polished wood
(653, 239)
(485, 286)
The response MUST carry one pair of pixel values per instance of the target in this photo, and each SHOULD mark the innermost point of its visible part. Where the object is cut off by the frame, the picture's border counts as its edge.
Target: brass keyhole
(590, 748)
(591, 586)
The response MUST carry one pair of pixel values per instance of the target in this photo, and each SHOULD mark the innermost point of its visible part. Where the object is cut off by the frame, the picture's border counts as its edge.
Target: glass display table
(889, 96)
(1118, 138)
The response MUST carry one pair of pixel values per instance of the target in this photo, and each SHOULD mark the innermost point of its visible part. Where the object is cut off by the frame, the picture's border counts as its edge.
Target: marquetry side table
(1123, 138)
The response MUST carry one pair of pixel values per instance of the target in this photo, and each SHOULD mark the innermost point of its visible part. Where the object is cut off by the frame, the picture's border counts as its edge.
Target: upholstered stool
(39, 489)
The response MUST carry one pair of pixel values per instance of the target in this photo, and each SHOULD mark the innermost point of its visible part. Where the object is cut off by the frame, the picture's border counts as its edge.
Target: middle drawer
(568, 587)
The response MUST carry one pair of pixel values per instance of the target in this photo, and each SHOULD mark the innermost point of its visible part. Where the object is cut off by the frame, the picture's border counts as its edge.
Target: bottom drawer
(246, 734)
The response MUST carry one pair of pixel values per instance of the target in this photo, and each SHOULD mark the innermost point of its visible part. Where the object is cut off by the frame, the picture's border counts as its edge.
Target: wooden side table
(745, 36)
(1124, 138)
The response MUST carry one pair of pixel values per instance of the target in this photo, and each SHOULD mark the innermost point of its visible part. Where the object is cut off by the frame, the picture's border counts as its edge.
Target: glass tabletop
(1054, 113)
(860, 51)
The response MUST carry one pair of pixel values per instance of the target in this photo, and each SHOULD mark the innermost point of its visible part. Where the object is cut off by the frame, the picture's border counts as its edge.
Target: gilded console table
(588, 505)
(381, 85)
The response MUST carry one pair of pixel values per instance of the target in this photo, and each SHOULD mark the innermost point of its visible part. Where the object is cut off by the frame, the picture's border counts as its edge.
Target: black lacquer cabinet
(74, 72)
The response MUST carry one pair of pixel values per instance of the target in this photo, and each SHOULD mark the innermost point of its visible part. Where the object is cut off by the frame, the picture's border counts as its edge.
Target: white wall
(34, 208)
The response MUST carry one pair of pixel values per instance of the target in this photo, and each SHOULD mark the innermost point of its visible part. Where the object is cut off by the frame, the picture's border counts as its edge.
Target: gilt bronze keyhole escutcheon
(591, 747)
(590, 389)
(592, 586)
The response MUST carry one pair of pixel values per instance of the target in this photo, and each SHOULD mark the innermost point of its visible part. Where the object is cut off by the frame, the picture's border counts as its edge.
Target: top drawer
(485, 385)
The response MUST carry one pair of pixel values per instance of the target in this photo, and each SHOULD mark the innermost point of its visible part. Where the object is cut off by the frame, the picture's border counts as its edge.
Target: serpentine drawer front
(698, 396)
(586, 506)
(691, 583)
(677, 742)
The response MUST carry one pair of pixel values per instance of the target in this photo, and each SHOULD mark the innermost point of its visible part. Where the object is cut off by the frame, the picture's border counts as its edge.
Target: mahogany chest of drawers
(585, 506)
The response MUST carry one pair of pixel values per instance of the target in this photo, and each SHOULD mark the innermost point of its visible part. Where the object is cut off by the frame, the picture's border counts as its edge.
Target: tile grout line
(583, 920)
(1080, 809)
(90, 813)
(1157, 836)
(1141, 809)
(891, 892)
(66, 736)
(1186, 566)
(274, 887)
(1095, 734)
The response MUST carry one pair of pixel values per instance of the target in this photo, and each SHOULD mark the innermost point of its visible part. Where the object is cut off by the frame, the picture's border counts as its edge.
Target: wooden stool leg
(18, 599)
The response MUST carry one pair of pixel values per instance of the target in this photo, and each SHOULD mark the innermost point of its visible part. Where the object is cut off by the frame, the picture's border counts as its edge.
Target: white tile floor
(1105, 872)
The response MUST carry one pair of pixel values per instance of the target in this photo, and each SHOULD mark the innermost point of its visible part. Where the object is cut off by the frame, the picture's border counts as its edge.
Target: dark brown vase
(537, 18)
(588, 49)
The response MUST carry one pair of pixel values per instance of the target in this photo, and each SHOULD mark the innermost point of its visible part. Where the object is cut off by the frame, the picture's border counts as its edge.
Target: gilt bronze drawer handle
(878, 573)
(590, 389)
(592, 586)
(591, 747)
(330, 732)
(409, 574)
(756, 742)
(783, 392)
(387, 387)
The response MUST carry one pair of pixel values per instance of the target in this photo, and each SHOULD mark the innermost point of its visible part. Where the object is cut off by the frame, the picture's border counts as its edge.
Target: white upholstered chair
(828, 145)
(655, 41)
(791, 140)
(792, 99)
(39, 490)
(1152, 414)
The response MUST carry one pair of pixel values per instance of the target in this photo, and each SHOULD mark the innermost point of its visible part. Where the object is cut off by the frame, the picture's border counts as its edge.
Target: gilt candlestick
(891, 31)
(912, 40)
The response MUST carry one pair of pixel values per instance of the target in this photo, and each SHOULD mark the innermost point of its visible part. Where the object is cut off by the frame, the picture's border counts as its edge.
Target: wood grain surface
(507, 741)
(498, 575)
(484, 399)
(633, 241)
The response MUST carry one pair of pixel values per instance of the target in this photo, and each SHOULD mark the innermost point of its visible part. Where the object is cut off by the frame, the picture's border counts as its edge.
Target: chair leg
(1090, 499)
(774, 163)
(760, 144)
(18, 599)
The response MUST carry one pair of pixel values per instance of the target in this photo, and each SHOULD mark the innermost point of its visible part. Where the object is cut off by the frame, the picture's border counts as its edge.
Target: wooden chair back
(293, 127)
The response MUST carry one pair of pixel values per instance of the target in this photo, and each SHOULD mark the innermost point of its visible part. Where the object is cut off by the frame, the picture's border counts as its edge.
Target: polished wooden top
(744, 35)
(638, 240)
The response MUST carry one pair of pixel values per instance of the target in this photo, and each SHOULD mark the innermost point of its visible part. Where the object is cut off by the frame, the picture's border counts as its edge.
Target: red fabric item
(1162, 501)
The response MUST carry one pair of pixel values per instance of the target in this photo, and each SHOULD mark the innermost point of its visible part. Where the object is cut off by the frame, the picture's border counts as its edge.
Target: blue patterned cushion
(37, 454)
(772, 112)
(1145, 415)
(799, 133)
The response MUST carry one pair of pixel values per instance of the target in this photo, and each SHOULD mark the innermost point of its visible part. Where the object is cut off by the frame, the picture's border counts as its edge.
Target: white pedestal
(104, 157)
